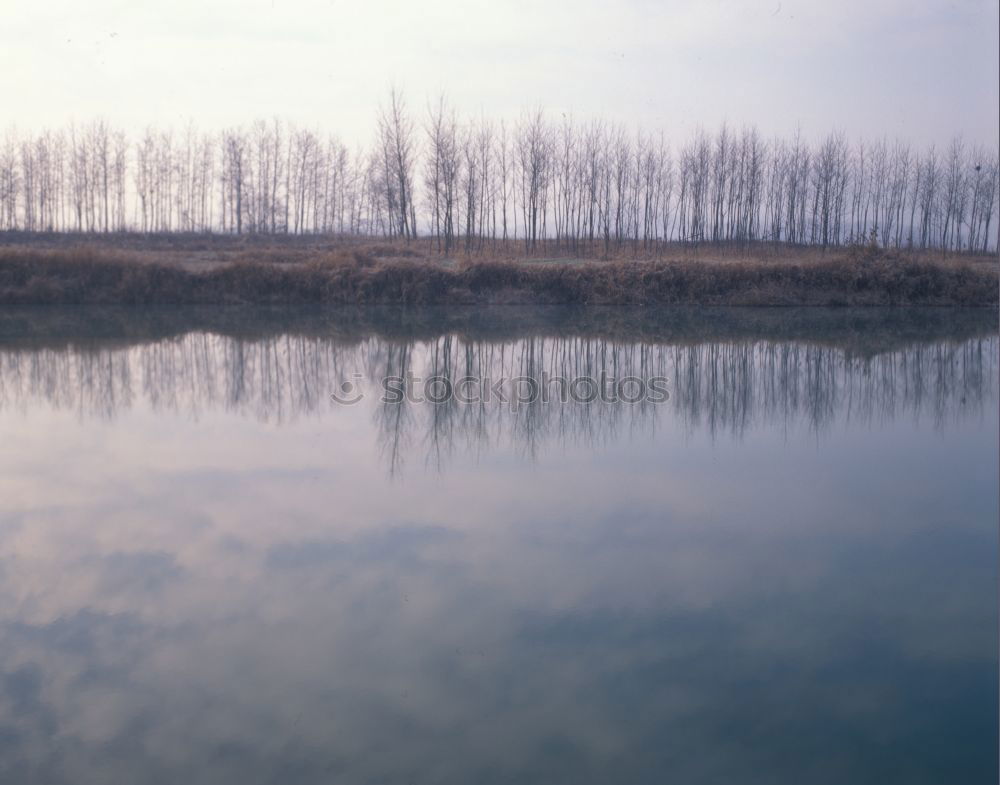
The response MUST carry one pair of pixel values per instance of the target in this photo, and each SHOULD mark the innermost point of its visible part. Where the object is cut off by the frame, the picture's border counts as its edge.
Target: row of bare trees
(479, 184)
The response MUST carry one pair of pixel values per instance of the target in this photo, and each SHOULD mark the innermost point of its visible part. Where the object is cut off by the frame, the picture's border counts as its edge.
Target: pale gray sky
(918, 70)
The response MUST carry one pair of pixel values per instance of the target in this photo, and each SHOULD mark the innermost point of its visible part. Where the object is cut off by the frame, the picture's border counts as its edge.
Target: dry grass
(202, 251)
(345, 273)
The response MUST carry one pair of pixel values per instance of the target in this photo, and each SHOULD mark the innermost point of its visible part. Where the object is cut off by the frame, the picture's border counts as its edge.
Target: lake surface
(213, 571)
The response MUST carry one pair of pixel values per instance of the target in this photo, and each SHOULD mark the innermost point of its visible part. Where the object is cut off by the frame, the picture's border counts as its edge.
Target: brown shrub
(348, 276)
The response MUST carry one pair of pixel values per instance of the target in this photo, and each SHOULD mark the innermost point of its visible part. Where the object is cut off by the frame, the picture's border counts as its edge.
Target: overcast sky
(918, 70)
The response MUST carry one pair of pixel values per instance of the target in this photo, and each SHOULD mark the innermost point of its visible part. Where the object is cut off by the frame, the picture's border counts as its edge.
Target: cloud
(921, 71)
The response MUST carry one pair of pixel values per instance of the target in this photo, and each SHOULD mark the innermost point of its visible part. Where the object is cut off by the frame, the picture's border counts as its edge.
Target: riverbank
(862, 277)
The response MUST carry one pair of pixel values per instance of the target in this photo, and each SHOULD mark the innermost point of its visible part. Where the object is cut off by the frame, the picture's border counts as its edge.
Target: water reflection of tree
(722, 386)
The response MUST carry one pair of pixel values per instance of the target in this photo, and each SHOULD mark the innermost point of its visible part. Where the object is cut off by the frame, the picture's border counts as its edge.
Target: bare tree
(594, 188)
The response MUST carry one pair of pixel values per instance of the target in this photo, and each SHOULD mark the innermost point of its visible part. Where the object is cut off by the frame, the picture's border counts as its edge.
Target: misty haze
(514, 393)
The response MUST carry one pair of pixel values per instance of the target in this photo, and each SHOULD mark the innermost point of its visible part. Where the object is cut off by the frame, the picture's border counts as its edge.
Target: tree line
(477, 185)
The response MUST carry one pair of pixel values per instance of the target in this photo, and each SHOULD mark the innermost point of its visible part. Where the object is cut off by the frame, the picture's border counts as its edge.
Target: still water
(212, 571)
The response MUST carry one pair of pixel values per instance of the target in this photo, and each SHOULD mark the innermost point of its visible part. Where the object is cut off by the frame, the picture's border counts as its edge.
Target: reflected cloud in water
(786, 572)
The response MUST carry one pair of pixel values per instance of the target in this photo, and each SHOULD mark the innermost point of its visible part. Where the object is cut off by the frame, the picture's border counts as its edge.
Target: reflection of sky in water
(222, 598)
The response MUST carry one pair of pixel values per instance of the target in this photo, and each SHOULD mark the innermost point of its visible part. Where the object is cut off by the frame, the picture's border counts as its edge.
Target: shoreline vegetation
(210, 270)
